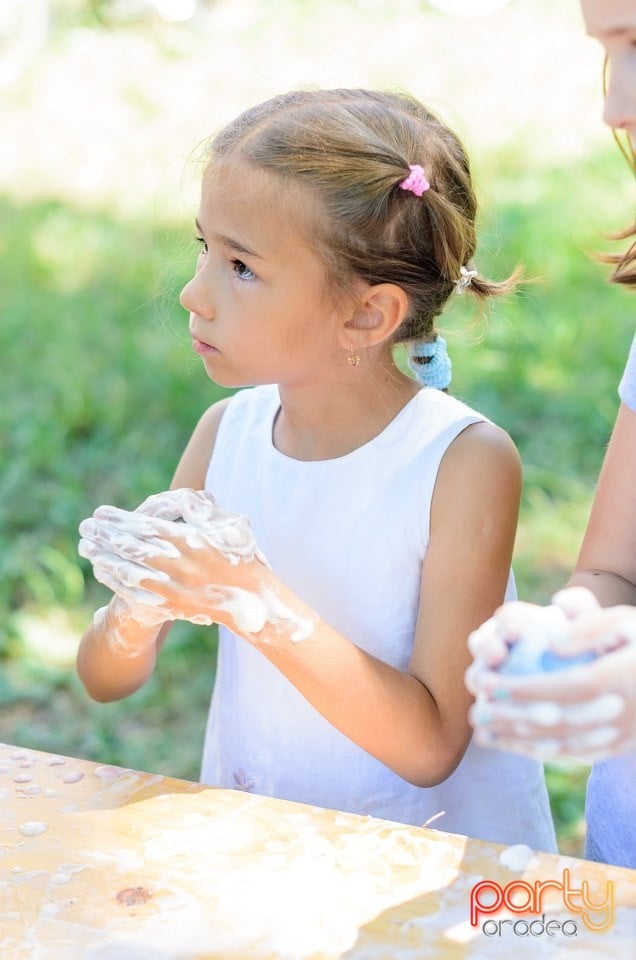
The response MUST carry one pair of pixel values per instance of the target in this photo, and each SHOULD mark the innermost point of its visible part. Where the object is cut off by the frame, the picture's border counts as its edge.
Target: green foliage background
(100, 391)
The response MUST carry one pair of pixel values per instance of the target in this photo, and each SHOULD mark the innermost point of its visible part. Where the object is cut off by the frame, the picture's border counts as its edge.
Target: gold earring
(353, 359)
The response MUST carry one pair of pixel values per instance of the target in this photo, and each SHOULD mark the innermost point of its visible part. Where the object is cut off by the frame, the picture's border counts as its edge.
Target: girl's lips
(201, 347)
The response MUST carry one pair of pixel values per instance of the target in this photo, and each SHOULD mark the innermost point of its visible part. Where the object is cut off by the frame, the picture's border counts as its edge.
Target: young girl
(593, 707)
(333, 226)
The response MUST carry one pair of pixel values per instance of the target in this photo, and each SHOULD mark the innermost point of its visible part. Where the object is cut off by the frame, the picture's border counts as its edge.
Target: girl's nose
(620, 101)
(193, 300)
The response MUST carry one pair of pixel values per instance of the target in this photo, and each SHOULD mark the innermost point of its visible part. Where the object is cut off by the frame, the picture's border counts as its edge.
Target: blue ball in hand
(526, 658)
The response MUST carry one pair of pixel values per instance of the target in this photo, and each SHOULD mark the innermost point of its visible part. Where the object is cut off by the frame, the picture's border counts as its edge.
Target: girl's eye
(242, 271)
(204, 246)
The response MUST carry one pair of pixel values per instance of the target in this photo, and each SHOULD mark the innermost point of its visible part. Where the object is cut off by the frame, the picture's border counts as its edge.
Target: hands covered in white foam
(178, 556)
(586, 711)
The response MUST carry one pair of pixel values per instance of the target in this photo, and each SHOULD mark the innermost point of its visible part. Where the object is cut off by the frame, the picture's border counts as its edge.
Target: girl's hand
(180, 557)
(586, 711)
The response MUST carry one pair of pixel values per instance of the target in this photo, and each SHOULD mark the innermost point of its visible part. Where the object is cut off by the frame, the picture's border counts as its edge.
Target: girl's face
(613, 22)
(257, 302)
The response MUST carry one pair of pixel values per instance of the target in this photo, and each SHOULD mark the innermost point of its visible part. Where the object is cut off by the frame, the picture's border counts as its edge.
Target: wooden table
(100, 862)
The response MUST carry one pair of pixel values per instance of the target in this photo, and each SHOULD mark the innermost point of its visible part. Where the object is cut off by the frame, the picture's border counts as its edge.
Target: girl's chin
(225, 378)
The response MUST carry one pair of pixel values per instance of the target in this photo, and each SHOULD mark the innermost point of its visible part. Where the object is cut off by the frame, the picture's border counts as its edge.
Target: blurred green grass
(101, 391)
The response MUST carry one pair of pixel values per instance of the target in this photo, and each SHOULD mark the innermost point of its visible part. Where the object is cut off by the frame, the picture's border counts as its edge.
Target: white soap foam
(517, 857)
(33, 828)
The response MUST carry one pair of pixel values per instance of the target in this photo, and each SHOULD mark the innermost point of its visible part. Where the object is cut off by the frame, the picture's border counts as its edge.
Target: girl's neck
(318, 423)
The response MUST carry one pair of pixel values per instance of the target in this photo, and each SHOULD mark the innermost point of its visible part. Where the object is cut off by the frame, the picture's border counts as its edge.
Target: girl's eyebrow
(230, 242)
(237, 246)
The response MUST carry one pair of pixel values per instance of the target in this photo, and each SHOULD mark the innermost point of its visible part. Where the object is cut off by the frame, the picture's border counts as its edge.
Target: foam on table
(131, 866)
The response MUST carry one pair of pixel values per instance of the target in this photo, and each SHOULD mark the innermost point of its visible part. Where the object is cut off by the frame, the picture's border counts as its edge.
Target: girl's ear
(380, 311)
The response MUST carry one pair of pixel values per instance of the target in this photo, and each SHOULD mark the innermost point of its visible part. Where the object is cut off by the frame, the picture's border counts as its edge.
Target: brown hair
(353, 148)
(624, 263)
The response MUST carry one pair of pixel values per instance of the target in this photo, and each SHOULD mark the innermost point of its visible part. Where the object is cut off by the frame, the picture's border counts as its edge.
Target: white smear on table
(108, 773)
(33, 828)
(71, 868)
(517, 857)
(74, 777)
(31, 791)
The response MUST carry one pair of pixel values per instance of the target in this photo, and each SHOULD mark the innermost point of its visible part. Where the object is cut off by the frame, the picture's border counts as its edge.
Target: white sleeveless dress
(348, 535)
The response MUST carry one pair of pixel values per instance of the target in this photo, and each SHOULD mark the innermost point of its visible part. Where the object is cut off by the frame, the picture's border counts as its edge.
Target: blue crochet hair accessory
(430, 363)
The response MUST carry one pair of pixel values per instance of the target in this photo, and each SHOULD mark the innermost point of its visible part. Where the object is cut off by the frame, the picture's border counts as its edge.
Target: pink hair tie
(416, 181)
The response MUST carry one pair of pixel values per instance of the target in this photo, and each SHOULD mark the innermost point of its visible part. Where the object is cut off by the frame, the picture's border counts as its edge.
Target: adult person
(589, 710)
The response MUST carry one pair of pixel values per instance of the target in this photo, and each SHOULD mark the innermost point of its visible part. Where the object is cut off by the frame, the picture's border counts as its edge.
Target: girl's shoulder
(485, 446)
(485, 443)
(438, 417)
(193, 464)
